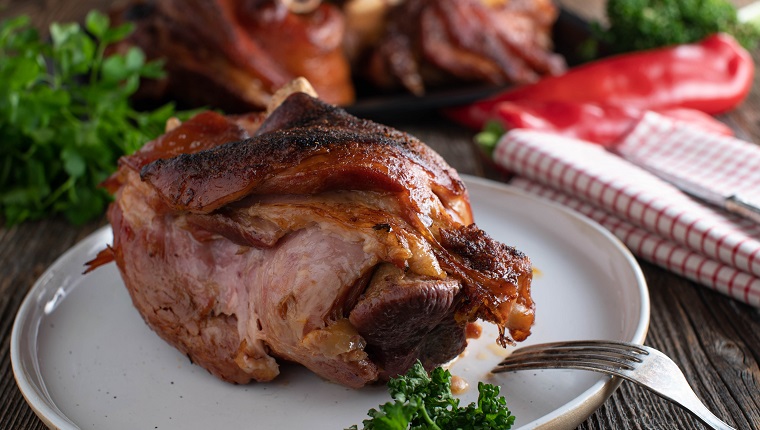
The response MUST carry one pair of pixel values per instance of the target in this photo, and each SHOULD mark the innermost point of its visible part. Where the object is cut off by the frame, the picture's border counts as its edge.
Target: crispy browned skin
(234, 54)
(312, 237)
(485, 259)
(427, 42)
(309, 147)
(305, 146)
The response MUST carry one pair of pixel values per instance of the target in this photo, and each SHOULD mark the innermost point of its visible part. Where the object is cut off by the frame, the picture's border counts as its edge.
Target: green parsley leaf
(425, 402)
(97, 24)
(65, 116)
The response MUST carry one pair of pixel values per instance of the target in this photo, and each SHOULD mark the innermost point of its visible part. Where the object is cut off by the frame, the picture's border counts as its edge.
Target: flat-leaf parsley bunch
(65, 116)
(424, 402)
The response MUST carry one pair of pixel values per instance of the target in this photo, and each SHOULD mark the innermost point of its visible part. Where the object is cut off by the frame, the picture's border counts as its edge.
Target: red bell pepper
(711, 76)
(602, 124)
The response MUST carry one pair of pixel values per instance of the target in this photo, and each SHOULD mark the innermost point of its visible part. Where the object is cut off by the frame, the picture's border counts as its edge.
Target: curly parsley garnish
(422, 401)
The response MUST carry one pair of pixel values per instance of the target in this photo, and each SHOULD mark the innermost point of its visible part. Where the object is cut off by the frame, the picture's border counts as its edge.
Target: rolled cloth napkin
(654, 219)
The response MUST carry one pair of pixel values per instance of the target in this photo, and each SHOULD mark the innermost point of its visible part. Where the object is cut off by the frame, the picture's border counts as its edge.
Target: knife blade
(731, 202)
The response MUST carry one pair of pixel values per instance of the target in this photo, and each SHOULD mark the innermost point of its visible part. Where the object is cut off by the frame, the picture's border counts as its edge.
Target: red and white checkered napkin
(653, 218)
(721, 164)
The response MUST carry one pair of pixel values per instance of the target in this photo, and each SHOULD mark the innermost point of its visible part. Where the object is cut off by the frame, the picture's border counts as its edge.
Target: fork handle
(712, 421)
(691, 402)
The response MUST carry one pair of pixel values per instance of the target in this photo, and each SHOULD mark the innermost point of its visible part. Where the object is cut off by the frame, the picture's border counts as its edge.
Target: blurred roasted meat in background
(429, 42)
(233, 54)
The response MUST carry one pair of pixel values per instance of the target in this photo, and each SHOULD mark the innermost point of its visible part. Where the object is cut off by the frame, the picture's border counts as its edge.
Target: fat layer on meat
(315, 237)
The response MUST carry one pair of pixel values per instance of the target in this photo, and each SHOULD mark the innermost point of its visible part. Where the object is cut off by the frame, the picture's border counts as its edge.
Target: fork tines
(643, 365)
(612, 357)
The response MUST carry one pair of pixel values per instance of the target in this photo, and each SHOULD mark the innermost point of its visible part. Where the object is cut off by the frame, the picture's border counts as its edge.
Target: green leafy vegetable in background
(425, 402)
(65, 116)
(644, 24)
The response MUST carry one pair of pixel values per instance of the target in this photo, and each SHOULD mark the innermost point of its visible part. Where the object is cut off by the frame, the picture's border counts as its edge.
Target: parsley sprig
(65, 116)
(424, 402)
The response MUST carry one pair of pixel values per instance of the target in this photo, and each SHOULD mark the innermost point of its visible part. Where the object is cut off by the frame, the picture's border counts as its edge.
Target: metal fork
(640, 364)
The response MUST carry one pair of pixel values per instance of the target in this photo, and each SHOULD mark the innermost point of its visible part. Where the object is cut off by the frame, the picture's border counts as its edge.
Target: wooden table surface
(714, 339)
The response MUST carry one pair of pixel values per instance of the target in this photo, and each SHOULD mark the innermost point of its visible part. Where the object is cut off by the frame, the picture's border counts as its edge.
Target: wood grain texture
(714, 339)
(44, 12)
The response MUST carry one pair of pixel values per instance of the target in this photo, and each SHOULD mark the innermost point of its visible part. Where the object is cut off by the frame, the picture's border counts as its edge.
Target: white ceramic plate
(83, 358)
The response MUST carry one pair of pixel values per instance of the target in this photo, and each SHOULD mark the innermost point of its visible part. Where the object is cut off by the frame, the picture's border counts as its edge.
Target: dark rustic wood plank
(45, 12)
(696, 327)
(714, 339)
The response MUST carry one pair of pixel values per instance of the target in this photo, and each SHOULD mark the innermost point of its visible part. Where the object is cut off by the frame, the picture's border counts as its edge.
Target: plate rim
(568, 415)
(48, 413)
(573, 413)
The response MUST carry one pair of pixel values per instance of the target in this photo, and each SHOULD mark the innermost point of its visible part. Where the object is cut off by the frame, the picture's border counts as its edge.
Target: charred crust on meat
(343, 152)
(323, 239)
(481, 252)
(382, 226)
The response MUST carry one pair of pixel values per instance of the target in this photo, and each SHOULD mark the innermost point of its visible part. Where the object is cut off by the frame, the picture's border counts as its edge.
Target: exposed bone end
(297, 85)
(494, 3)
(172, 123)
(365, 24)
(302, 6)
